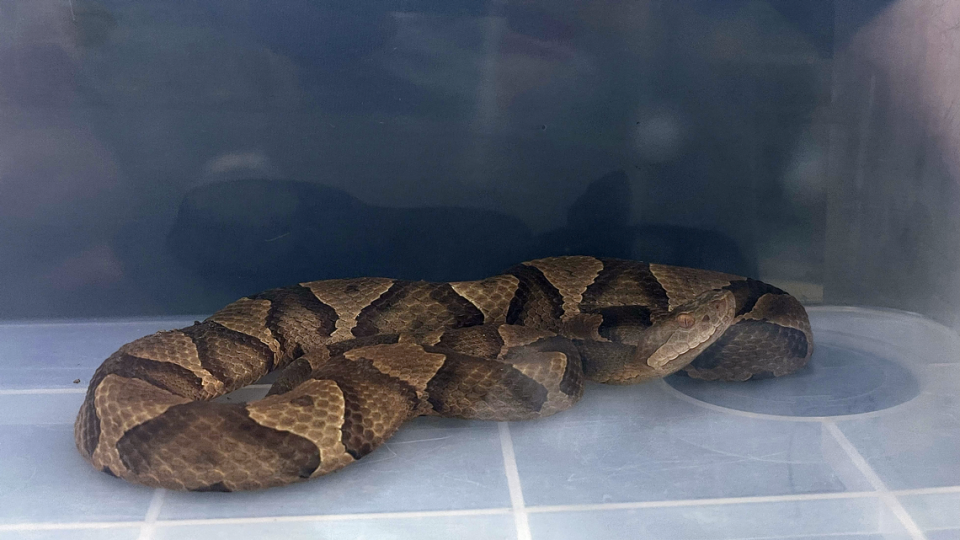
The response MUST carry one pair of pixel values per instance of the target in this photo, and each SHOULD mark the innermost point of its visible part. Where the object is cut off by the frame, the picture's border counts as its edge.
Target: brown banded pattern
(297, 320)
(361, 356)
(491, 296)
(570, 276)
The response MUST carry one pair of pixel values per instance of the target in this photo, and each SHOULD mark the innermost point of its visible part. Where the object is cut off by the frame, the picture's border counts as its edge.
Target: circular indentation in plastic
(837, 381)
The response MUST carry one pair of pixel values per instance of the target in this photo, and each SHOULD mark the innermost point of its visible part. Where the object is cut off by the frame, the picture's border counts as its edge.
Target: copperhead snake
(361, 356)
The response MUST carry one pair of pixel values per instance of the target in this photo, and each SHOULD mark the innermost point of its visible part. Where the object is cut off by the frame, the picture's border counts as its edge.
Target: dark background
(167, 157)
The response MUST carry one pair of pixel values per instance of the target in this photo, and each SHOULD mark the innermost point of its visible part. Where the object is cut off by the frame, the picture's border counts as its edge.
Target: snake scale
(361, 356)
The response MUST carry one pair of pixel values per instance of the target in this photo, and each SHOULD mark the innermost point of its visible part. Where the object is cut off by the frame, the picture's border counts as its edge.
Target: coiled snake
(361, 356)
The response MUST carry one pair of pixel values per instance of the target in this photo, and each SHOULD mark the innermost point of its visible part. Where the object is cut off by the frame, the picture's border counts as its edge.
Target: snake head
(689, 329)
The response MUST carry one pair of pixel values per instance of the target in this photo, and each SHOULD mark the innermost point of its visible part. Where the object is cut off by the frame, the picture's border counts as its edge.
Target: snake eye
(685, 320)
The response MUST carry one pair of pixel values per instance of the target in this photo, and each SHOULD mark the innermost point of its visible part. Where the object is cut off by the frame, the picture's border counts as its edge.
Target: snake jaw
(694, 326)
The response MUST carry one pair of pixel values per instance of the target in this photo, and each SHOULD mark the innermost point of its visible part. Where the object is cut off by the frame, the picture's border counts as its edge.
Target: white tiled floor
(804, 457)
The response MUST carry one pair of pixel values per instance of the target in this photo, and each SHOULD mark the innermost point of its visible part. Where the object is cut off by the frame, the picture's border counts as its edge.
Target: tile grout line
(520, 517)
(32, 391)
(927, 491)
(874, 479)
(335, 517)
(69, 526)
(153, 512)
(475, 512)
(250, 520)
(702, 502)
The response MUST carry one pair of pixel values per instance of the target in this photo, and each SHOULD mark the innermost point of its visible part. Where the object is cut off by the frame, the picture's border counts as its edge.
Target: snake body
(361, 356)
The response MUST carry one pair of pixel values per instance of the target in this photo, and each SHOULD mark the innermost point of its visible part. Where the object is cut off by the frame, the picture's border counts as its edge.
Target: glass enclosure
(159, 160)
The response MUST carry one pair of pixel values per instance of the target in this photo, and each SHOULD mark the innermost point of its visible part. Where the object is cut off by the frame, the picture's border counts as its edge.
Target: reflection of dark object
(37, 74)
(250, 235)
(533, 21)
(92, 23)
(812, 17)
(254, 234)
(686, 246)
(598, 224)
(324, 34)
(818, 19)
(605, 204)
